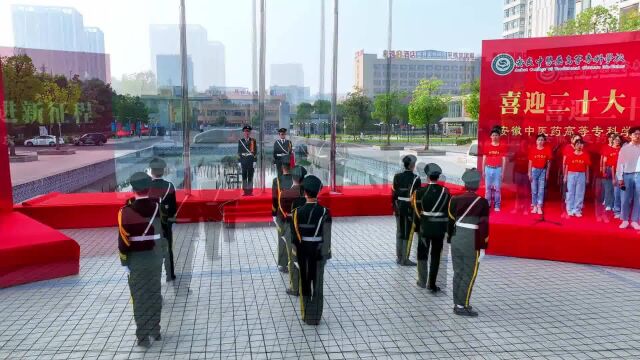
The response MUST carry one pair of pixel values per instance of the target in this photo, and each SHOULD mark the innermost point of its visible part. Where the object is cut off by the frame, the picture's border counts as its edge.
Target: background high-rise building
(169, 71)
(54, 28)
(547, 14)
(515, 18)
(453, 68)
(287, 75)
(208, 57)
(623, 5)
(95, 40)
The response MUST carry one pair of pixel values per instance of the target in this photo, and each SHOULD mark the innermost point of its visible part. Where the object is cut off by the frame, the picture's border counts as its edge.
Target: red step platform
(31, 251)
(583, 240)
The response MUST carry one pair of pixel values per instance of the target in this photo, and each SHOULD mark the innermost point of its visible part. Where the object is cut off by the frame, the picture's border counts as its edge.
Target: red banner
(558, 86)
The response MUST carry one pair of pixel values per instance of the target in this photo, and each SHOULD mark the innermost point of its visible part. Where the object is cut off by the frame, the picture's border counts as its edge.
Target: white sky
(292, 30)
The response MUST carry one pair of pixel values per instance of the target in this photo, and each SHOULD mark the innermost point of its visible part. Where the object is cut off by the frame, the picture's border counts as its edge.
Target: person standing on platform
(494, 161)
(297, 194)
(628, 175)
(404, 185)
(576, 176)
(139, 245)
(282, 149)
(468, 233)
(539, 160)
(165, 192)
(280, 184)
(247, 157)
(311, 229)
(430, 205)
(608, 167)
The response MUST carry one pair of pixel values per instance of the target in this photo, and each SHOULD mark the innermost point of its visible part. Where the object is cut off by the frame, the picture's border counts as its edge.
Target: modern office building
(169, 71)
(544, 15)
(623, 6)
(208, 56)
(409, 67)
(515, 19)
(54, 28)
(287, 75)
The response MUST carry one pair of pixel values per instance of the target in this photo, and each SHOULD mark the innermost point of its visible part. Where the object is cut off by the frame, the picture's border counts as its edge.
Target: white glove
(127, 270)
(239, 165)
(274, 220)
(481, 254)
(254, 165)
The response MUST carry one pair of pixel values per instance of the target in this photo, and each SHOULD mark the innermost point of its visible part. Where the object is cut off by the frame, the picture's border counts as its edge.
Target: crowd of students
(612, 168)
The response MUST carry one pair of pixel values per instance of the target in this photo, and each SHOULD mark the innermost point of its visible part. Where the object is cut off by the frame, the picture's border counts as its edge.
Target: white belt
(468, 226)
(247, 154)
(145, 237)
(282, 154)
(312, 238)
(404, 199)
(428, 213)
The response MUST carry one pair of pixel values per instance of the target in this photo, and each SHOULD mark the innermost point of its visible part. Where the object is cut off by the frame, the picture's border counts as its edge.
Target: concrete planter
(430, 152)
(389, 147)
(56, 152)
(23, 158)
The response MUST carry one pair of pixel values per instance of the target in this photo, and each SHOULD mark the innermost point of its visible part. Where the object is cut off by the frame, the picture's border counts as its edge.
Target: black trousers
(247, 178)
(144, 284)
(435, 243)
(169, 266)
(311, 281)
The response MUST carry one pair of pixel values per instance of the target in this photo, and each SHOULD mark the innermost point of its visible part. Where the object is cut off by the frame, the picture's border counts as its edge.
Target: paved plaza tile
(229, 302)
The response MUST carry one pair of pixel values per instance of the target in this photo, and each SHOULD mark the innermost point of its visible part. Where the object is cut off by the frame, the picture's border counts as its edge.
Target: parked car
(471, 160)
(91, 139)
(43, 140)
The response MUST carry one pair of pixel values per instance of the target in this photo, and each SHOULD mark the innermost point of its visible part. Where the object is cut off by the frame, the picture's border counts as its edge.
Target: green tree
(59, 97)
(130, 108)
(322, 107)
(357, 109)
(630, 21)
(388, 108)
(595, 20)
(136, 84)
(21, 84)
(303, 113)
(471, 98)
(427, 106)
(100, 96)
(221, 120)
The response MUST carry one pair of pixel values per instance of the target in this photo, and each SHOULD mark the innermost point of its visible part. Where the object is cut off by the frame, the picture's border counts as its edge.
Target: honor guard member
(139, 236)
(468, 234)
(293, 200)
(165, 192)
(404, 184)
(311, 229)
(430, 206)
(281, 183)
(282, 149)
(247, 157)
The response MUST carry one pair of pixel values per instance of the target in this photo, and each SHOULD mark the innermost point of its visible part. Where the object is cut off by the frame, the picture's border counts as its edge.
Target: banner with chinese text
(558, 86)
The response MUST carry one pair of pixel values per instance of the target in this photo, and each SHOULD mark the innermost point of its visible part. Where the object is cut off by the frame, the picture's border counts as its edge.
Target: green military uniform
(311, 229)
(468, 234)
(282, 149)
(139, 244)
(247, 157)
(404, 185)
(295, 196)
(165, 192)
(430, 206)
(280, 183)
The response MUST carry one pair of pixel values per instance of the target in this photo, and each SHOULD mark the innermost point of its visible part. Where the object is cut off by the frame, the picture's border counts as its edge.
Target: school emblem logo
(503, 64)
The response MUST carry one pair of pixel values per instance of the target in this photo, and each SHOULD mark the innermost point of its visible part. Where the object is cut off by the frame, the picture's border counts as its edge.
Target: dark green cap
(140, 181)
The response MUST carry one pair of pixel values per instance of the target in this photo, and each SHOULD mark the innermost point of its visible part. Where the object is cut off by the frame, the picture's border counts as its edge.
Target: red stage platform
(581, 240)
(31, 251)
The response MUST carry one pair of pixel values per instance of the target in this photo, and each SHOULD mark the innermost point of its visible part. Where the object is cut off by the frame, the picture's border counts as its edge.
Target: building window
(377, 74)
(412, 67)
(403, 75)
(438, 67)
(403, 67)
(403, 82)
(377, 82)
(421, 67)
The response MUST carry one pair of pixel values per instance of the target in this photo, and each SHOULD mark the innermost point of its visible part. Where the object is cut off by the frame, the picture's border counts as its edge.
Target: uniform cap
(409, 160)
(298, 172)
(432, 169)
(312, 184)
(157, 163)
(247, 127)
(282, 130)
(140, 181)
(471, 178)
